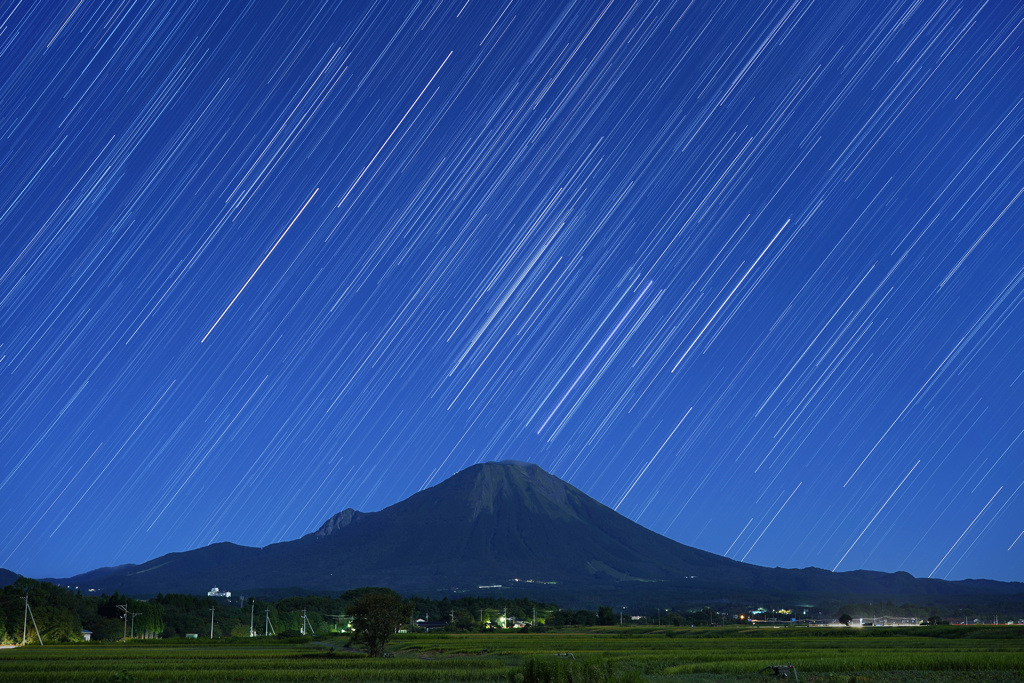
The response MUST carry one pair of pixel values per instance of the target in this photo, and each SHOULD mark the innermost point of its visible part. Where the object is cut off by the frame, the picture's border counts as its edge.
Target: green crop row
(597, 655)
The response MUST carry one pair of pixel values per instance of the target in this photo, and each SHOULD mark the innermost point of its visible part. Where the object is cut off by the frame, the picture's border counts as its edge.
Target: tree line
(62, 614)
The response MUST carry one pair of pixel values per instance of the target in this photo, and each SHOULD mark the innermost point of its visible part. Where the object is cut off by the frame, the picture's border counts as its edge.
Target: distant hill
(513, 525)
(8, 577)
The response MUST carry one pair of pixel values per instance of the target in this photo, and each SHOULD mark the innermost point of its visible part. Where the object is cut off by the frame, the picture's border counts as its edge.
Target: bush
(294, 635)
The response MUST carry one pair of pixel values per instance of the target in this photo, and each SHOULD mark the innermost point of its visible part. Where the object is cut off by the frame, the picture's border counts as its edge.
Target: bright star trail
(750, 273)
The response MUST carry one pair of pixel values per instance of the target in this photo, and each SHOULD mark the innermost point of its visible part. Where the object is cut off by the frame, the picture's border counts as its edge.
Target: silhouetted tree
(375, 617)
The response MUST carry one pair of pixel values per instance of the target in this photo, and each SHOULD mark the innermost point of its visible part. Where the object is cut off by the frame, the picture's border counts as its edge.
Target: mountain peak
(491, 485)
(338, 521)
(513, 462)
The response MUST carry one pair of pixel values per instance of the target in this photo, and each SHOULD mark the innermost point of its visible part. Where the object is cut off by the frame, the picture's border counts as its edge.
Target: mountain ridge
(510, 524)
(7, 577)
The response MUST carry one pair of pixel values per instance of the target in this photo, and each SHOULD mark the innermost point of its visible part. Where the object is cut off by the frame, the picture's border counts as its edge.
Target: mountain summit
(507, 524)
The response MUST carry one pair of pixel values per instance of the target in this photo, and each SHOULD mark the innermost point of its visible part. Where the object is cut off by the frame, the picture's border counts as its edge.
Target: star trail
(750, 273)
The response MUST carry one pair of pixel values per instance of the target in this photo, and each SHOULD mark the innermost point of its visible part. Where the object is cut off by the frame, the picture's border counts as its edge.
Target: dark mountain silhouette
(8, 577)
(514, 525)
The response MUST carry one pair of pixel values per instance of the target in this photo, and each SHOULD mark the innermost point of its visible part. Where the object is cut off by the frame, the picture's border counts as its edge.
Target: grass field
(658, 655)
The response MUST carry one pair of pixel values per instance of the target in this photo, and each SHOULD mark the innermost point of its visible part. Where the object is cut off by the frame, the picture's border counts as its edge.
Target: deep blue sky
(749, 273)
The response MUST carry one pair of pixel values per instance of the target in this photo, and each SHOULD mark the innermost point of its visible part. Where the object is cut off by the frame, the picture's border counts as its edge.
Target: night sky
(751, 274)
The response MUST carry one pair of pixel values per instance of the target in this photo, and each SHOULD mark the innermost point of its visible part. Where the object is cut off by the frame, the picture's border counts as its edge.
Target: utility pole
(124, 609)
(24, 627)
(211, 622)
(268, 628)
(305, 623)
(252, 613)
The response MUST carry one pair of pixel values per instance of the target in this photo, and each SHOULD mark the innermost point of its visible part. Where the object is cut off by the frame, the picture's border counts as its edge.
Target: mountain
(7, 577)
(513, 525)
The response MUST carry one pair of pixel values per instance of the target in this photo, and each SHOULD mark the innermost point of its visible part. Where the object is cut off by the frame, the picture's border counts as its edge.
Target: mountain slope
(7, 577)
(509, 524)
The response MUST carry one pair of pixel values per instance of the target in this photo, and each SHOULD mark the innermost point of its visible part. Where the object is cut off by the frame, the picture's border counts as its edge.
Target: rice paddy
(608, 655)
